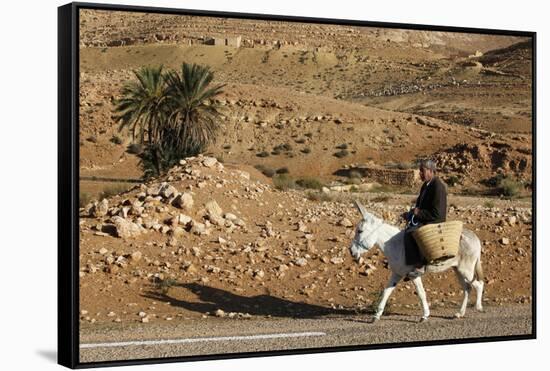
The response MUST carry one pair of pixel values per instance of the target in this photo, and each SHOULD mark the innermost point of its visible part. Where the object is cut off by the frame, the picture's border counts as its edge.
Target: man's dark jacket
(432, 202)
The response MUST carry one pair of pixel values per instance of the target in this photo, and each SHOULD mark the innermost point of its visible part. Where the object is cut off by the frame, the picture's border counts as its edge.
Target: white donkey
(373, 231)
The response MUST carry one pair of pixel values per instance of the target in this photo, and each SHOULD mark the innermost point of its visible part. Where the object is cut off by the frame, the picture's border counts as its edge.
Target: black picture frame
(68, 180)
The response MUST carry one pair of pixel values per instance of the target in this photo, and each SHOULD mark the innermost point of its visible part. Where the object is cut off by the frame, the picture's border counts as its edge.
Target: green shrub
(489, 204)
(310, 183)
(263, 154)
(284, 182)
(282, 170)
(300, 141)
(306, 150)
(354, 174)
(510, 187)
(342, 146)
(268, 172)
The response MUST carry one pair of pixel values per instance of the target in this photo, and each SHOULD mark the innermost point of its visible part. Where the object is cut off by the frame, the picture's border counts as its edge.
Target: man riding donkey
(430, 208)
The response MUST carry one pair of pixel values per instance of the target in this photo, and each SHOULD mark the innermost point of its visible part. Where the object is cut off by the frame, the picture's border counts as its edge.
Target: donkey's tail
(479, 270)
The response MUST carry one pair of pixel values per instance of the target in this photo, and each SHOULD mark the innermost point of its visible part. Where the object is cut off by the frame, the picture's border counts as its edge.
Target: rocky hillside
(110, 28)
(172, 248)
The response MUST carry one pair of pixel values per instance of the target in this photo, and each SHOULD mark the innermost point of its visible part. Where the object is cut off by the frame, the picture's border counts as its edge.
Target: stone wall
(389, 176)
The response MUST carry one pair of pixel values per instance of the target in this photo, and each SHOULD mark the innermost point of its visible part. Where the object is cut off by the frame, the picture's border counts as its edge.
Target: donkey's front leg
(394, 279)
(422, 295)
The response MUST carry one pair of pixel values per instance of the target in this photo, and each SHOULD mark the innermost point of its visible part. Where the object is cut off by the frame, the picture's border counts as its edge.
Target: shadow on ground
(50, 355)
(210, 299)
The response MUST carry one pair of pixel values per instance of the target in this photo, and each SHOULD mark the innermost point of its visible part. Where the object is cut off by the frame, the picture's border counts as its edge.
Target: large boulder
(214, 212)
(125, 228)
(100, 208)
(183, 201)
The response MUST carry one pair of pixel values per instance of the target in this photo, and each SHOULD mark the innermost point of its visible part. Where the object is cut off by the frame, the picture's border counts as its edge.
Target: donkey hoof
(424, 319)
(374, 319)
(459, 315)
(480, 309)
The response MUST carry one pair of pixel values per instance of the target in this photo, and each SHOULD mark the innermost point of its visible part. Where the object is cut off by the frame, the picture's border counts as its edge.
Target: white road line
(198, 340)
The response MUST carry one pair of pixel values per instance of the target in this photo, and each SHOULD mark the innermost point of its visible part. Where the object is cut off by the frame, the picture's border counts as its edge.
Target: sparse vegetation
(342, 153)
(282, 170)
(489, 204)
(112, 190)
(268, 172)
(319, 196)
(286, 147)
(263, 154)
(306, 150)
(284, 182)
(342, 146)
(310, 183)
(510, 187)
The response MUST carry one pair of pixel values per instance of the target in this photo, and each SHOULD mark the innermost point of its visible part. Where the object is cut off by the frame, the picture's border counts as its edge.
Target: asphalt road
(224, 335)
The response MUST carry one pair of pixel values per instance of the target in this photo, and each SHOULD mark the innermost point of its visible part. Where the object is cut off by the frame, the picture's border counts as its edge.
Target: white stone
(125, 228)
(300, 262)
(167, 190)
(209, 161)
(184, 219)
(101, 208)
(183, 201)
(136, 256)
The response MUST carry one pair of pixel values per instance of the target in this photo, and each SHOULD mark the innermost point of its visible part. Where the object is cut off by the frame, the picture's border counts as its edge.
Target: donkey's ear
(361, 208)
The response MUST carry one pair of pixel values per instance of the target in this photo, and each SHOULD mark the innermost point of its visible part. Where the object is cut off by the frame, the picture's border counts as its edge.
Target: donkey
(373, 231)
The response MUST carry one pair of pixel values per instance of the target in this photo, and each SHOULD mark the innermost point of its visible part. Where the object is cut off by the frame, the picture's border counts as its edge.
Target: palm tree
(193, 113)
(142, 107)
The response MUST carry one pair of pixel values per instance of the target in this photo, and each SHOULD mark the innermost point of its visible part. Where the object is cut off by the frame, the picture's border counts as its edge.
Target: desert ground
(218, 240)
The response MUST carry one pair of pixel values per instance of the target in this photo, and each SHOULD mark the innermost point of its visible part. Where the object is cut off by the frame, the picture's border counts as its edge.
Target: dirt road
(222, 335)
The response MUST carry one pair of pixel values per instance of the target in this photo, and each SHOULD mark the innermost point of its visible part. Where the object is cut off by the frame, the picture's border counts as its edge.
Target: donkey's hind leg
(422, 295)
(478, 285)
(466, 287)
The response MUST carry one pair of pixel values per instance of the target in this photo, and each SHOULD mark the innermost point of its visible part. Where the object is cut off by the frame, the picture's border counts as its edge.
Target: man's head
(427, 170)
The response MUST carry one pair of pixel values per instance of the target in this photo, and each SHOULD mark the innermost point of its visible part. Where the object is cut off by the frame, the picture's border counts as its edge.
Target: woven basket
(439, 241)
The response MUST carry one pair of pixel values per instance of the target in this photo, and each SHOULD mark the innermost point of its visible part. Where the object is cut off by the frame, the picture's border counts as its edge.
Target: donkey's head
(365, 237)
